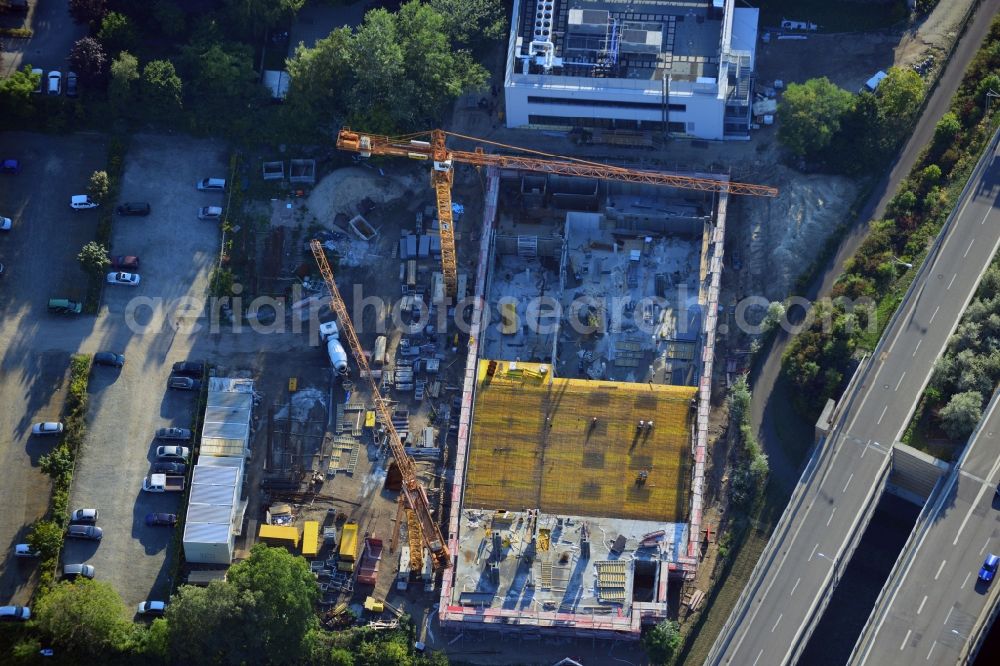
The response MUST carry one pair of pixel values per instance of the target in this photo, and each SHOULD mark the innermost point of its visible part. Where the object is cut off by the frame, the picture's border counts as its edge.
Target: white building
(611, 63)
(215, 511)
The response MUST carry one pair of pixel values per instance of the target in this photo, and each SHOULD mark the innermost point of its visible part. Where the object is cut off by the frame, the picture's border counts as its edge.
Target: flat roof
(532, 445)
(216, 483)
(228, 413)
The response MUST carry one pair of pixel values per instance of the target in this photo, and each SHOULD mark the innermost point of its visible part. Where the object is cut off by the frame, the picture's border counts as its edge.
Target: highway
(842, 481)
(932, 602)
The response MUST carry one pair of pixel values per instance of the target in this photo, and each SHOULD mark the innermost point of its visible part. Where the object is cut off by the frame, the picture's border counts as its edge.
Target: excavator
(431, 145)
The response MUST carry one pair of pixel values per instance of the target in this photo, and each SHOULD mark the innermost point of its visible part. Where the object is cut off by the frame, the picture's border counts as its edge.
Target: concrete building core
(577, 500)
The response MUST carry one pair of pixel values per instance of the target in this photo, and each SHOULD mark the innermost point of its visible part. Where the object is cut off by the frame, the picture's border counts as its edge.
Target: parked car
(14, 613)
(5, 223)
(173, 452)
(989, 568)
(189, 368)
(183, 383)
(82, 202)
(41, 79)
(133, 208)
(125, 262)
(71, 87)
(47, 428)
(151, 607)
(25, 550)
(182, 434)
(109, 358)
(64, 306)
(212, 184)
(161, 519)
(169, 467)
(10, 166)
(71, 571)
(210, 213)
(55, 82)
(127, 279)
(91, 532)
(84, 516)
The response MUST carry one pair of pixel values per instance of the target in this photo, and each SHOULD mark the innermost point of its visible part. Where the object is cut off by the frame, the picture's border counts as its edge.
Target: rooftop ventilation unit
(541, 49)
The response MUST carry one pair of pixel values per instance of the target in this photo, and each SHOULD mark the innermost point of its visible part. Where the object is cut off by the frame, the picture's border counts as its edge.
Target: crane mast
(416, 146)
(413, 490)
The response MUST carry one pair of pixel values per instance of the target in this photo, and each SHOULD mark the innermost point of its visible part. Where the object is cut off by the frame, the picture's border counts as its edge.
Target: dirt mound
(344, 189)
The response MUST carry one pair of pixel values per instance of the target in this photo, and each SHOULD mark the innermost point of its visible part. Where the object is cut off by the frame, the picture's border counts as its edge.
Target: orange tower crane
(431, 146)
(413, 490)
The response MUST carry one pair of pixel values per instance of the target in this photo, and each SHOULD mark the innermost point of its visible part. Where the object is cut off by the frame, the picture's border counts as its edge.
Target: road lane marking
(971, 243)
(758, 657)
(812, 553)
(794, 587)
(884, 409)
(931, 321)
(776, 622)
(939, 569)
(921, 607)
(967, 576)
(952, 281)
(986, 216)
(899, 382)
(984, 546)
(917, 347)
(831, 516)
(849, 479)
(906, 638)
(933, 645)
(948, 616)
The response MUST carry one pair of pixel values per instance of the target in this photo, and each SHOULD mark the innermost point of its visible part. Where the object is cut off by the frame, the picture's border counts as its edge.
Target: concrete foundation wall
(914, 473)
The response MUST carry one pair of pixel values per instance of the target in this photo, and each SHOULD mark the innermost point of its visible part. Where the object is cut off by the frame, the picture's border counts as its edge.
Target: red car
(125, 262)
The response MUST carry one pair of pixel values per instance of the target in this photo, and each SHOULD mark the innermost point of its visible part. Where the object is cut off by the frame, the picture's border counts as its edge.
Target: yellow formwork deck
(534, 445)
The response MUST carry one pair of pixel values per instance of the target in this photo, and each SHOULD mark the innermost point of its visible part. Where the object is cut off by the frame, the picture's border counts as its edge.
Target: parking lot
(34, 346)
(176, 252)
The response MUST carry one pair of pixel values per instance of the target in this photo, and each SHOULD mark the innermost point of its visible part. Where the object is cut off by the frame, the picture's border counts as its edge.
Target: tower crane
(430, 145)
(413, 490)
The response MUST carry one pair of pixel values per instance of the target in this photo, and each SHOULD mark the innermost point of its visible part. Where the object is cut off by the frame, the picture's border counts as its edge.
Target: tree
(122, 90)
(340, 657)
(810, 115)
(861, 144)
(94, 258)
(87, 11)
(116, 33)
(469, 21)
(46, 537)
(84, 618)
(962, 413)
(171, 21)
(99, 186)
(15, 93)
(899, 95)
(282, 592)
(254, 17)
(946, 130)
(88, 59)
(205, 625)
(318, 75)
(662, 641)
(223, 81)
(161, 89)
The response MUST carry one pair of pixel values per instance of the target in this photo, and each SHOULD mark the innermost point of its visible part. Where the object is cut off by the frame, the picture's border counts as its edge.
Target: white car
(212, 184)
(5, 224)
(55, 82)
(82, 202)
(173, 452)
(128, 279)
(20, 613)
(151, 607)
(41, 79)
(25, 550)
(47, 428)
(210, 213)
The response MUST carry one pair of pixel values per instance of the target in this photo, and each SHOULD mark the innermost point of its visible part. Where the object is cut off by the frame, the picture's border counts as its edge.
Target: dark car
(91, 532)
(10, 166)
(161, 519)
(64, 306)
(189, 368)
(174, 433)
(125, 262)
(989, 568)
(169, 467)
(183, 383)
(109, 358)
(133, 208)
(72, 90)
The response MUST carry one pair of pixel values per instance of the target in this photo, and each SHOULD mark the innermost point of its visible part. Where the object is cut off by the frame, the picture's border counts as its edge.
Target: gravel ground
(176, 251)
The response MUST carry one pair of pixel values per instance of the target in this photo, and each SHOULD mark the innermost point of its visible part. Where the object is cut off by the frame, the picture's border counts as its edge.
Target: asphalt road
(811, 546)
(935, 598)
(768, 407)
(49, 46)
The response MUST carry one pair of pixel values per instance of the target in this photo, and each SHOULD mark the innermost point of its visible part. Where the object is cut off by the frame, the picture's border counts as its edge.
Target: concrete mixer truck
(331, 336)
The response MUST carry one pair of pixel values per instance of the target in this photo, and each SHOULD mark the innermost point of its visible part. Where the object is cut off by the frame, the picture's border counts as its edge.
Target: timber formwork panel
(534, 445)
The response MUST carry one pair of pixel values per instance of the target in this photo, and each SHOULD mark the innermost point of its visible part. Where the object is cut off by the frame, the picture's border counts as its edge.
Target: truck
(348, 553)
(163, 483)
(338, 357)
(368, 570)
